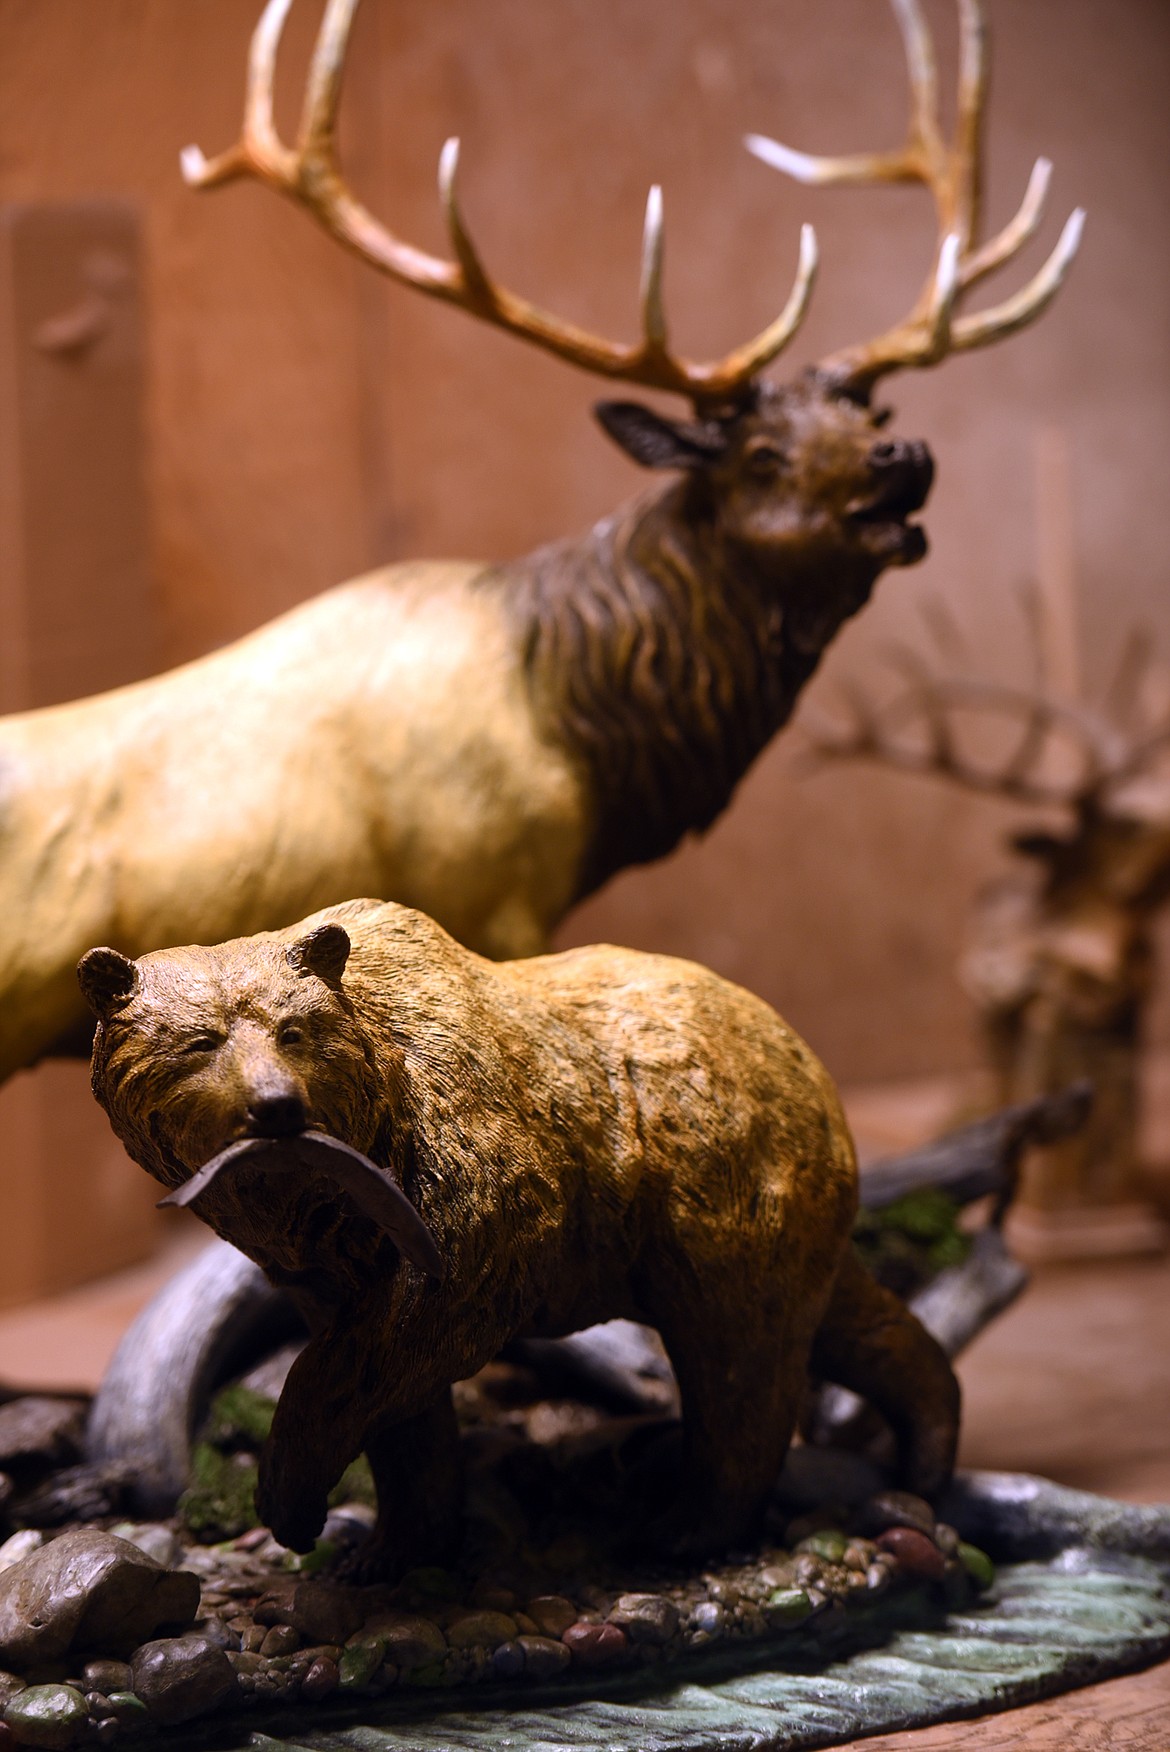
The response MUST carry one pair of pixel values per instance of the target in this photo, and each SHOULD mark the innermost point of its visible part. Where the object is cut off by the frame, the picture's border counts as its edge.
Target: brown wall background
(308, 421)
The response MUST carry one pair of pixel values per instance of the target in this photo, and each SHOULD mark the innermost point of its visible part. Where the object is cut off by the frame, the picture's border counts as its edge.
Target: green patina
(220, 1502)
(907, 1243)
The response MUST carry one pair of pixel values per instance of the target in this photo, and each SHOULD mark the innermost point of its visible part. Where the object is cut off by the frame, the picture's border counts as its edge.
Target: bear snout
(276, 1110)
(277, 1115)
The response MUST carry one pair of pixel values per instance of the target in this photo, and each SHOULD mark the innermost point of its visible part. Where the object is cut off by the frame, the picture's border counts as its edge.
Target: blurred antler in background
(1059, 958)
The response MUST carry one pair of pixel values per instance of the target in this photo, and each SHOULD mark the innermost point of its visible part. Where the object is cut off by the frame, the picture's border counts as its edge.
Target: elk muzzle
(901, 472)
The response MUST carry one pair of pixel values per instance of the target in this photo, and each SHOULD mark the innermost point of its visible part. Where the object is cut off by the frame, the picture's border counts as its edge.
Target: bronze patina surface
(585, 1136)
(490, 742)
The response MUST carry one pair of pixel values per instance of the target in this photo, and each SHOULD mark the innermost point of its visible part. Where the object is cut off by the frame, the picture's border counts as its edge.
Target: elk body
(490, 743)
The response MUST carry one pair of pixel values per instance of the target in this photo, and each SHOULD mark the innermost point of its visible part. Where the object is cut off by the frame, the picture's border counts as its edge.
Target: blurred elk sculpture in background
(490, 742)
(1059, 958)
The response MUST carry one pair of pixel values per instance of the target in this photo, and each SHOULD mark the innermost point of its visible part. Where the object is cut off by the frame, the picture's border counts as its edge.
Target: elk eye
(764, 458)
(201, 1043)
(289, 1034)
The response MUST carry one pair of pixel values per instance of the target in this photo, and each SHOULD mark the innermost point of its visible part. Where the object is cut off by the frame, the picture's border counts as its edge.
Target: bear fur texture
(589, 1135)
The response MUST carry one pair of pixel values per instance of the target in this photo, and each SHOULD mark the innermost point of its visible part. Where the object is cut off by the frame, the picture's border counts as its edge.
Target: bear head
(198, 1048)
(251, 1056)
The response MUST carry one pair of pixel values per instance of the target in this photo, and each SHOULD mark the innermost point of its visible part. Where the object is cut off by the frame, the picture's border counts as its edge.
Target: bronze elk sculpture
(1059, 958)
(491, 742)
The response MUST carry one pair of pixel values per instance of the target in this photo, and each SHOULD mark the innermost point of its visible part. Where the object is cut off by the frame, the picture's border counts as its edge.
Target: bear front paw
(294, 1515)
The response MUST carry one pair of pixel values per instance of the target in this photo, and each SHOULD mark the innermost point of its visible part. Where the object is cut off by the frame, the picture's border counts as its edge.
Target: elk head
(807, 502)
(805, 492)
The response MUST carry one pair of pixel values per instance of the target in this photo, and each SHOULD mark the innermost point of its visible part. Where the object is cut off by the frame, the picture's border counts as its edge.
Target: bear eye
(201, 1043)
(290, 1034)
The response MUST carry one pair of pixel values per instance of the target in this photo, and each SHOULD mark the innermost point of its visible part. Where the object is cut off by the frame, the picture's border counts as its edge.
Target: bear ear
(107, 980)
(323, 951)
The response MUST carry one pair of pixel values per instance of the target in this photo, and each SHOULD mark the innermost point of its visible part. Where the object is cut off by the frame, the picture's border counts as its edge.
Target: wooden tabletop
(1122, 1715)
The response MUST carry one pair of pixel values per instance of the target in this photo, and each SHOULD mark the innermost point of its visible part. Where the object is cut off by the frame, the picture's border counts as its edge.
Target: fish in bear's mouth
(376, 1195)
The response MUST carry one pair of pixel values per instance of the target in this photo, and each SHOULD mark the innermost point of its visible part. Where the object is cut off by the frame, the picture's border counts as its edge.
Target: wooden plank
(1122, 1715)
(78, 614)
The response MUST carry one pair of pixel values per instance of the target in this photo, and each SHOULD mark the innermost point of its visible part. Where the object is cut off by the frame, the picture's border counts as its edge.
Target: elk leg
(870, 1342)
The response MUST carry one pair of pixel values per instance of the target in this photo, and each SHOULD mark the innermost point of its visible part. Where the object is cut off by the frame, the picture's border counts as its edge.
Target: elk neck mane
(661, 666)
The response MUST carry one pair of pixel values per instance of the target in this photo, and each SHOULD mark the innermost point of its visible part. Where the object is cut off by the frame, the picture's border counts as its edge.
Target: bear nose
(276, 1113)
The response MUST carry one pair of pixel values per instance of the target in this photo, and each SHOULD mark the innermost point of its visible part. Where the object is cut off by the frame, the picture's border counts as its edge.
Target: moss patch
(910, 1241)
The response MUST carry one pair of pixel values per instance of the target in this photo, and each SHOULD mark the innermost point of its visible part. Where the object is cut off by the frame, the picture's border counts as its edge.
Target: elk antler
(309, 174)
(952, 173)
(929, 703)
(1119, 739)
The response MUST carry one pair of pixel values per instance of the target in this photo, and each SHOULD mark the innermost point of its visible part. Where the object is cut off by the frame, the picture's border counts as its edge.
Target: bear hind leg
(870, 1342)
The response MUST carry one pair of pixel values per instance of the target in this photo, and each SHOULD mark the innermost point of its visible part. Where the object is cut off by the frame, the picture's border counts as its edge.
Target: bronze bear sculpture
(540, 1145)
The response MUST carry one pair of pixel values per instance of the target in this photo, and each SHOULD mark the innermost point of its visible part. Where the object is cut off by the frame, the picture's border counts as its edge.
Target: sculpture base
(859, 1613)
(1087, 1596)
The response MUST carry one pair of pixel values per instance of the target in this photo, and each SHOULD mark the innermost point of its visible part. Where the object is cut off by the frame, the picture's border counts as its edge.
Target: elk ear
(323, 951)
(107, 980)
(656, 442)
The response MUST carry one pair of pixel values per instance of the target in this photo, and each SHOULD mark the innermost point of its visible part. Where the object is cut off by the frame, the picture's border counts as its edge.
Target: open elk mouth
(902, 476)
